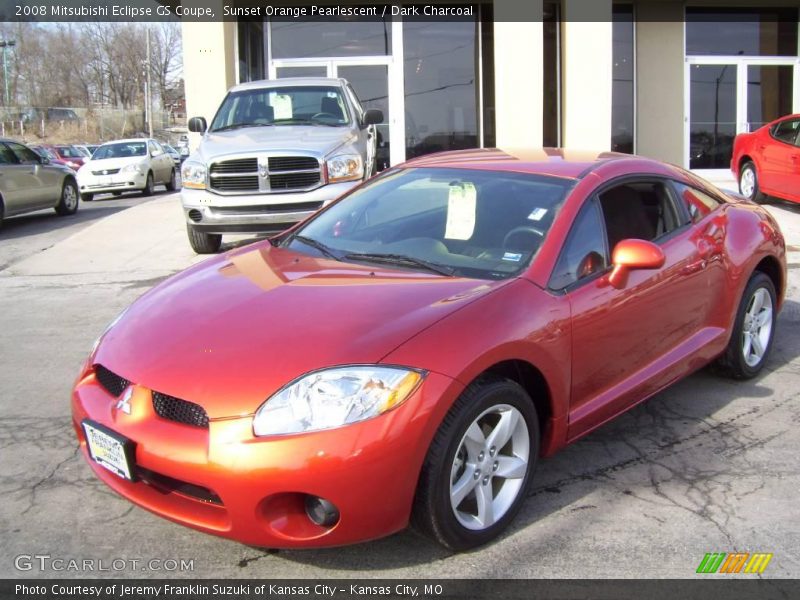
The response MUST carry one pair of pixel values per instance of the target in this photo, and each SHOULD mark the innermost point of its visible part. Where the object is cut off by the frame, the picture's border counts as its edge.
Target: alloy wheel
(489, 467)
(757, 328)
(747, 183)
(69, 197)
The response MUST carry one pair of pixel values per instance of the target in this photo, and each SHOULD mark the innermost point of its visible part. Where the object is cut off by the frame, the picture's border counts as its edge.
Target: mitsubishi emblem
(124, 402)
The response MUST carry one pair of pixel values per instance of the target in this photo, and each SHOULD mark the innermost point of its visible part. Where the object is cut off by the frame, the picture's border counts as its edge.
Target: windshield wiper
(317, 245)
(304, 122)
(240, 125)
(402, 259)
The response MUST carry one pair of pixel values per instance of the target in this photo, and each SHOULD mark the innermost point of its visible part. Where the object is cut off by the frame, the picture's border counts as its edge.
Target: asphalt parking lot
(709, 465)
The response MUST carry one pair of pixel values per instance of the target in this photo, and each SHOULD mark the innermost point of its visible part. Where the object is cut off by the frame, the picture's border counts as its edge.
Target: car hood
(112, 163)
(232, 331)
(319, 140)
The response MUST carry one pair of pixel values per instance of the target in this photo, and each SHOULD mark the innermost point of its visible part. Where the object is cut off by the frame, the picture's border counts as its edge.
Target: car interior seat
(626, 216)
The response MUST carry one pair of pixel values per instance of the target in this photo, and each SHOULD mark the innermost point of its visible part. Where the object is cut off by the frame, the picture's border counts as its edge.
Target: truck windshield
(298, 105)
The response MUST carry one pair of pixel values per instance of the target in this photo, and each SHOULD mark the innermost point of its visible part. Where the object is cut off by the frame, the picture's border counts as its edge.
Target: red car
(409, 352)
(62, 155)
(766, 162)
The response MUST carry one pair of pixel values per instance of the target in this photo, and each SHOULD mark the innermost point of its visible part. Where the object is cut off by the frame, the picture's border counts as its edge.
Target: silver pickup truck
(275, 152)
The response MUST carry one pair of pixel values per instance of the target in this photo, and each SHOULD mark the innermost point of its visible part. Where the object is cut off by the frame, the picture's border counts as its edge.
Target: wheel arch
(533, 381)
(743, 160)
(771, 267)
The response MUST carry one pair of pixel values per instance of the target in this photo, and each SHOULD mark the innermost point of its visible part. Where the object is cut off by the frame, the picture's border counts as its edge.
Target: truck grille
(278, 174)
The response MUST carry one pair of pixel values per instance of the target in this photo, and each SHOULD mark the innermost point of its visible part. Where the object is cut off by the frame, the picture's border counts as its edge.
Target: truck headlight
(335, 397)
(345, 167)
(193, 175)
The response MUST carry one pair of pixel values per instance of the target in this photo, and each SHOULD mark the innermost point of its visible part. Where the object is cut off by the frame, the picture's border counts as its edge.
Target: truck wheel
(203, 243)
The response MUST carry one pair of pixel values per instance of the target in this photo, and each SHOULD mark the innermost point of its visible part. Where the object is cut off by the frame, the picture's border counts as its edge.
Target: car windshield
(300, 105)
(69, 152)
(470, 223)
(120, 150)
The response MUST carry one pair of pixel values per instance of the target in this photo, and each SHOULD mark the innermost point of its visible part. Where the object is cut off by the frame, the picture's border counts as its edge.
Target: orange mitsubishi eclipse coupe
(409, 352)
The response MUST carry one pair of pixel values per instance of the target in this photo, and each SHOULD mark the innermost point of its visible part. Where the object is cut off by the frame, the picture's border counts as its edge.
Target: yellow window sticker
(460, 211)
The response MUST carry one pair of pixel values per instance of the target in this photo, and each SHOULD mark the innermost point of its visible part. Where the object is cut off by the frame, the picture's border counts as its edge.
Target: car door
(13, 183)
(157, 161)
(780, 157)
(28, 178)
(625, 338)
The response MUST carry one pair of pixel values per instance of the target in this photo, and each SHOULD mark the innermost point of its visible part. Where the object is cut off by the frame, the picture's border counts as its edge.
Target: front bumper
(253, 489)
(119, 182)
(252, 213)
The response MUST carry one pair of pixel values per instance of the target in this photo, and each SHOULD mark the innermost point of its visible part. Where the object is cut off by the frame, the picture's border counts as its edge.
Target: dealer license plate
(109, 449)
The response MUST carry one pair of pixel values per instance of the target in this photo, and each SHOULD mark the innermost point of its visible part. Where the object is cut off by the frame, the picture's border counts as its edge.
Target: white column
(587, 58)
(518, 72)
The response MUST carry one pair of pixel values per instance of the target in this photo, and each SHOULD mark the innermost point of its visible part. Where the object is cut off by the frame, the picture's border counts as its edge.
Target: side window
(585, 250)
(7, 157)
(786, 131)
(642, 210)
(698, 203)
(24, 154)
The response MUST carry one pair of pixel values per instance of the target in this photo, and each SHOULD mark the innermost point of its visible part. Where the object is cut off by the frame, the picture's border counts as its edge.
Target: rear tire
(748, 183)
(172, 184)
(68, 204)
(476, 474)
(203, 243)
(87, 197)
(753, 330)
(149, 185)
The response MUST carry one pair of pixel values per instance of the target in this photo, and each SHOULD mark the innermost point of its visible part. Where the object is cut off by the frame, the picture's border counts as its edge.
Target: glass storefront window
(622, 109)
(321, 38)
(741, 31)
(551, 98)
(713, 115)
(441, 84)
(284, 72)
(769, 93)
(251, 51)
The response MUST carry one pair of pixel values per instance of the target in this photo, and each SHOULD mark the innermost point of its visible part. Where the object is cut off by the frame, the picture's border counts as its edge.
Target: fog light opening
(321, 512)
(195, 215)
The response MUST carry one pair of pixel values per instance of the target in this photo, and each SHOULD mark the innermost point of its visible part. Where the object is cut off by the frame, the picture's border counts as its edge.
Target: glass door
(726, 96)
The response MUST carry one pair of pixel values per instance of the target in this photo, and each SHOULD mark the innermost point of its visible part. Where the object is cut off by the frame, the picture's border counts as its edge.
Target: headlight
(193, 175)
(346, 167)
(335, 397)
(138, 167)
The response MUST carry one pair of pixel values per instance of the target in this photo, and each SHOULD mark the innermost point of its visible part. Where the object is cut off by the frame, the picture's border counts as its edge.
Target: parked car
(50, 155)
(409, 352)
(127, 166)
(30, 182)
(58, 156)
(174, 154)
(36, 115)
(71, 155)
(275, 152)
(766, 162)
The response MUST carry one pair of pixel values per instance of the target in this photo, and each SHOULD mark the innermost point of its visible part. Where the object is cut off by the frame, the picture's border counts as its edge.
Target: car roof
(557, 162)
(286, 82)
(127, 141)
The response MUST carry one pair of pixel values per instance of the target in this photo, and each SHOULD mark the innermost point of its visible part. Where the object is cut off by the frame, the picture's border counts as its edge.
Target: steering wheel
(324, 115)
(523, 229)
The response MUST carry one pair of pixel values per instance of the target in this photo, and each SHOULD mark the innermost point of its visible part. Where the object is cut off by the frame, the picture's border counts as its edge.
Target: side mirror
(373, 116)
(198, 125)
(633, 254)
(44, 160)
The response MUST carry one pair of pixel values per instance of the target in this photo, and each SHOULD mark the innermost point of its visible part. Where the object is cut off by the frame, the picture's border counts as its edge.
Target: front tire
(476, 474)
(203, 243)
(149, 185)
(748, 183)
(68, 203)
(753, 330)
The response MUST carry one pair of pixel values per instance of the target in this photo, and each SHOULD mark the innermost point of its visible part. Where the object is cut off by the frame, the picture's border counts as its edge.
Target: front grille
(292, 181)
(111, 382)
(292, 163)
(166, 484)
(267, 208)
(241, 165)
(235, 184)
(276, 174)
(180, 411)
(106, 172)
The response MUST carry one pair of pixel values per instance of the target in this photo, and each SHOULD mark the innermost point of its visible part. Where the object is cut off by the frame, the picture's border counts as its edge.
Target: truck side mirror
(373, 116)
(197, 125)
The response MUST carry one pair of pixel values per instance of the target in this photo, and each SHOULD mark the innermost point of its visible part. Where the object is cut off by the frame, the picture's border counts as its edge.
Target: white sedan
(127, 166)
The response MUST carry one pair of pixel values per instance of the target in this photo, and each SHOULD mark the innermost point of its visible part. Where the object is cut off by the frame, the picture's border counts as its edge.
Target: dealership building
(669, 79)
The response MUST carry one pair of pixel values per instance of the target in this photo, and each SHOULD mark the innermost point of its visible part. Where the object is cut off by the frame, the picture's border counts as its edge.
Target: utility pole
(5, 45)
(148, 90)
